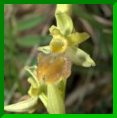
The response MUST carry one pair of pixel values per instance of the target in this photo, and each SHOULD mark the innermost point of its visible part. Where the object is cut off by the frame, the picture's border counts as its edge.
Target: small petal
(23, 106)
(79, 57)
(54, 31)
(44, 49)
(64, 23)
(77, 38)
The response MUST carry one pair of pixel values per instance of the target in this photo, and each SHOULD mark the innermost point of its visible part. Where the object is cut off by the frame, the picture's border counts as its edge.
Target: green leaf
(23, 106)
(30, 22)
(31, 40)
(28, 41)
(44, 40)
(64, 23)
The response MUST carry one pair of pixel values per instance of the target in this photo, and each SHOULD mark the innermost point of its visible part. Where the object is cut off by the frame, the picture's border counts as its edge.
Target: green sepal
(64, 23)
(79, 57)
(77, 38)
(64, 8)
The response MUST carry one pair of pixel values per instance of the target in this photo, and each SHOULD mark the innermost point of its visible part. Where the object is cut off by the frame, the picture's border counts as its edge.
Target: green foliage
(31, 40)
(29, 22)
(28, 41)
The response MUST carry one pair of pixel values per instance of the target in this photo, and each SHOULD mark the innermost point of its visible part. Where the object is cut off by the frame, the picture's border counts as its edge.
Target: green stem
(55, 104)
(43, 98)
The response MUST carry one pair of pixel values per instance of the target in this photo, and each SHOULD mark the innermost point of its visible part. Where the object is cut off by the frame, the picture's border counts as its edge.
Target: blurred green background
(89, 90)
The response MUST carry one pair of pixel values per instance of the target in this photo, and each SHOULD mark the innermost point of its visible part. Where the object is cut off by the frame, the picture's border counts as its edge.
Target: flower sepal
(79, 57)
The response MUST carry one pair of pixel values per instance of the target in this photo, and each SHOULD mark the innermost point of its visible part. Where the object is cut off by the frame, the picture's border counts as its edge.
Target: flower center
(58, 44)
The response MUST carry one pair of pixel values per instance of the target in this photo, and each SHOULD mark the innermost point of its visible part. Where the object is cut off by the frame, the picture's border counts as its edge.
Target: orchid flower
(48, 78)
